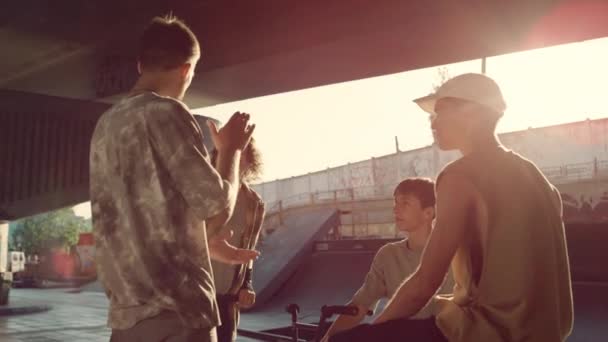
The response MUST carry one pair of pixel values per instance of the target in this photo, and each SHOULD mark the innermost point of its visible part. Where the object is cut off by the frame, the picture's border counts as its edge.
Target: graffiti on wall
(567, 154)
(585, 204)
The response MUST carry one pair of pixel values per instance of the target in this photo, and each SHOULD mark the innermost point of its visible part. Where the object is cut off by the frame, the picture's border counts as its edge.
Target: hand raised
(234, 135)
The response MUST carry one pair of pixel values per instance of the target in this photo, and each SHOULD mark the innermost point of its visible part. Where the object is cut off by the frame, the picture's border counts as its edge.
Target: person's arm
(346, 322)
(229, 141)
(229, 148)
(173, 135)
(248, 280)
(247, 295)
(557, 200)
(372, 290)
(246, 292)
(455, 200)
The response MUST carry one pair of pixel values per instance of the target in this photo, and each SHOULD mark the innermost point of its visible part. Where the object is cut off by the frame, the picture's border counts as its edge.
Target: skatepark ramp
(333, 272)
(289, 246)
(326, 278)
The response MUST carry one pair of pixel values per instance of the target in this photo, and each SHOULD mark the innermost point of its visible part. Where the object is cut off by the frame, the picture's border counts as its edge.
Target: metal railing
(572, 172)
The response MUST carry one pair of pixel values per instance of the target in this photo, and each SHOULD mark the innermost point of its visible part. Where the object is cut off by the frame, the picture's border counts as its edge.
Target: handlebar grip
(293, 309)
(350, 310)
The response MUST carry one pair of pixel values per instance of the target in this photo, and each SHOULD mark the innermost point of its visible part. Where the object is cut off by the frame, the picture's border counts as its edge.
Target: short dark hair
(422, 188)
(166, 44)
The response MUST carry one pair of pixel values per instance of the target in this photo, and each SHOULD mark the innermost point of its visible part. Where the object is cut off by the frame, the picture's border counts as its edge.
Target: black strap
(227, 298)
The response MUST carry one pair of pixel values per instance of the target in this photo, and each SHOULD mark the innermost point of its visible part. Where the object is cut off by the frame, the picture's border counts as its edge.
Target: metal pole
(3, 247)
(483, 65)
(6, 277)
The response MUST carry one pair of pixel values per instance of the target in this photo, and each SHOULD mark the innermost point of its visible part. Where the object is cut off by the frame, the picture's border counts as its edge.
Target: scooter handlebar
(293, 309)
(349, 310)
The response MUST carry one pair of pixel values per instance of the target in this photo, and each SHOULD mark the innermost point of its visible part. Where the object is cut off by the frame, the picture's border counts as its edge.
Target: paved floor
(81, 316)
(74, 317)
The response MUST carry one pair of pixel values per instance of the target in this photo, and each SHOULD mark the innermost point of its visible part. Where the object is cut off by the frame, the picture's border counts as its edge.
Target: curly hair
(253, 166)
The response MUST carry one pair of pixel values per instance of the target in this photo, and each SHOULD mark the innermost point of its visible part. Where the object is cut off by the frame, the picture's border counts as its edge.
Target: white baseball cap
(476, 88)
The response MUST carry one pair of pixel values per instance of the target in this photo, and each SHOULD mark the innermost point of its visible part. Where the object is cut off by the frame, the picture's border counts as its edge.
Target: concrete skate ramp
(590, 312)
(586, 249)
(333, 277)
(326, 278)
(288, 247)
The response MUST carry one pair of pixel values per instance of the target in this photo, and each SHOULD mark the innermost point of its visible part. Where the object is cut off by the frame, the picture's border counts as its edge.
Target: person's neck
(481, 143)
(157, 84)
(416, 240)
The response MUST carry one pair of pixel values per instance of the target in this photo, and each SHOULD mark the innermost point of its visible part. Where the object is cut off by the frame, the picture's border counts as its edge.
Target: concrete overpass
(64, 62)
(82, 54)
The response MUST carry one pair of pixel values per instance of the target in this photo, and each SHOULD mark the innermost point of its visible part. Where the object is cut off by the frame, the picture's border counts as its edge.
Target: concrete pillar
(3, 246)
(6, 277)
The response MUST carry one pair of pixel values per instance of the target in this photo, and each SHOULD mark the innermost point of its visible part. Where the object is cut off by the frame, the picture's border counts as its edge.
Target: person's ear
(185, 70)
(429, 213)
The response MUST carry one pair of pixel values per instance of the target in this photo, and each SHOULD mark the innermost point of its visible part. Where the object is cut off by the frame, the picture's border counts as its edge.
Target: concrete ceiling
(82, 51)
(85, 49)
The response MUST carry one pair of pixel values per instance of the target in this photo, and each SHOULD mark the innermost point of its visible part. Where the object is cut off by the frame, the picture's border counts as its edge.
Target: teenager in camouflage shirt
(152, 189)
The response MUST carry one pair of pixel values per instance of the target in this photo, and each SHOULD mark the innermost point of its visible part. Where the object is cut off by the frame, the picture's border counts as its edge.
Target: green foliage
(38, 234)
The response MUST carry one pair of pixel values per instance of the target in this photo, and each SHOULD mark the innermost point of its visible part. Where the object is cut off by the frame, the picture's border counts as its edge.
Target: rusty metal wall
(44, 152)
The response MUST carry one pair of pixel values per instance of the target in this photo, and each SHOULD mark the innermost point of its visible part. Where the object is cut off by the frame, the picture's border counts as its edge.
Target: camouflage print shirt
(152, 187)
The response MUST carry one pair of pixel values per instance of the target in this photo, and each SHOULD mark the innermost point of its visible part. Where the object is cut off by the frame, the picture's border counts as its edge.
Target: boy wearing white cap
(498, 223)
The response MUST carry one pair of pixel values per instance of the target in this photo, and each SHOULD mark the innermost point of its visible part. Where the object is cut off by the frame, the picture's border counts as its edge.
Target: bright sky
(312, 129)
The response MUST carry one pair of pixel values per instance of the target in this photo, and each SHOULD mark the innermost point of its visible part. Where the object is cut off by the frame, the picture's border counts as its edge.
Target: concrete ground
(82, 316)
(74, 317)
